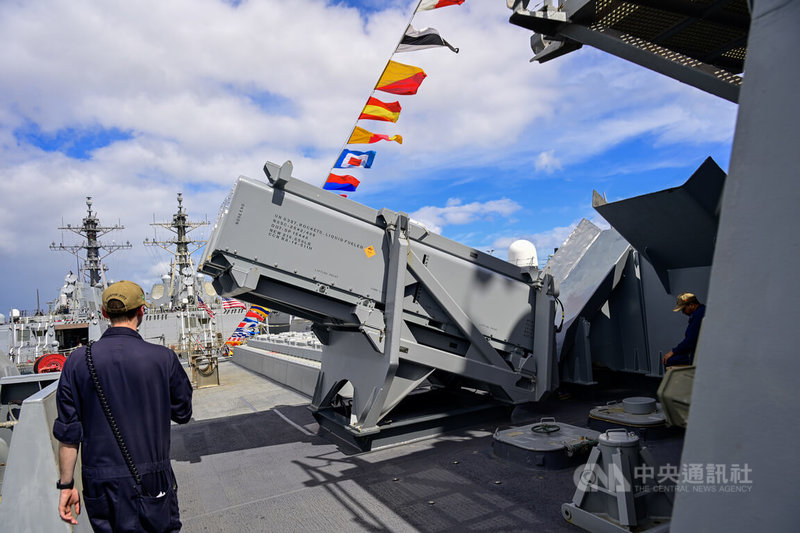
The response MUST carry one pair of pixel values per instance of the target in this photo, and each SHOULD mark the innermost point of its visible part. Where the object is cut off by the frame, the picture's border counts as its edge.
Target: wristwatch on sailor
(64, 486)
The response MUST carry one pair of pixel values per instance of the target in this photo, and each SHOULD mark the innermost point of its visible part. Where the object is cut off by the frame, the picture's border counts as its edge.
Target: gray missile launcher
(398, 309)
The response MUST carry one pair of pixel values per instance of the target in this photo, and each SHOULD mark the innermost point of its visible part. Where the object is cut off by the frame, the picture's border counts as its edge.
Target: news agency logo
(688, 477)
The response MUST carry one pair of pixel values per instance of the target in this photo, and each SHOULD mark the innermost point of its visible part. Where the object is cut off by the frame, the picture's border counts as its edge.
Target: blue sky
(133, 103)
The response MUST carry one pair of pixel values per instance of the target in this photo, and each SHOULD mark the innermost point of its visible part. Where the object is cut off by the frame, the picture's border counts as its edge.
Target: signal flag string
(403, 80)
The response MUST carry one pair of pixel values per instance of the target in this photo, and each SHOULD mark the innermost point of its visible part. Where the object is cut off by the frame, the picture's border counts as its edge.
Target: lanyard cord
(110, 417)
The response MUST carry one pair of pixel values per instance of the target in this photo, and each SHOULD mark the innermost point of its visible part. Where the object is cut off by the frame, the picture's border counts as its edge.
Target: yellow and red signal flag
(398, 78)
(377, 110)
(362, 136)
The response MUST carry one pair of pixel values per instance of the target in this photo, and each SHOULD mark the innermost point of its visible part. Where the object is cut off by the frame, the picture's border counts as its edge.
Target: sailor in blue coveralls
(683, 353)
(146, 387)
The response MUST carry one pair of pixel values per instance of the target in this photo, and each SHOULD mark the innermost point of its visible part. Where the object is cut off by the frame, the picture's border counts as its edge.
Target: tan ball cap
(685, 299)
(123, 296)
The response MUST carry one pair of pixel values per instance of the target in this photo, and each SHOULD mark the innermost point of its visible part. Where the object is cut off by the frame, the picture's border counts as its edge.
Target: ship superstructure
(186, 312)
(93, 270)
(74, 317)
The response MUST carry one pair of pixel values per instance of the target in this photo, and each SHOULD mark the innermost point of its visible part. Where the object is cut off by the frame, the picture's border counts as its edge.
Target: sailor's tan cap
(123, 296)
(685, 299)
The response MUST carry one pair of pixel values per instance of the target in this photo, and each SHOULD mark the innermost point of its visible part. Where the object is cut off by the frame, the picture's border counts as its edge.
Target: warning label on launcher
(296, 233)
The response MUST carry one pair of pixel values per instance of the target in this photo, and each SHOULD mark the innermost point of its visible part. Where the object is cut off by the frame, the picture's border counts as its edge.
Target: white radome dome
(522, 253)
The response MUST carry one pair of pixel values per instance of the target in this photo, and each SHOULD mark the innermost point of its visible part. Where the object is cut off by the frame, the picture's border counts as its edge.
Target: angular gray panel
(674, 228)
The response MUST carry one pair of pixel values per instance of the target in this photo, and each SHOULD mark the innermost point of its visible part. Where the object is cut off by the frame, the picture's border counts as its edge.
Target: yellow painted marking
(370, 251)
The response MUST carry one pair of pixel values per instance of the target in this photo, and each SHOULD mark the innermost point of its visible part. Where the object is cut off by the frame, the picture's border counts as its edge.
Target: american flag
(202, 305)
(230, 303)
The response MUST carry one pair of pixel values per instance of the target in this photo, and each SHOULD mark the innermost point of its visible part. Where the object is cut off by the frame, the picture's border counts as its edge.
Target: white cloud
(548, 162)
(456, 213)
(602, 102)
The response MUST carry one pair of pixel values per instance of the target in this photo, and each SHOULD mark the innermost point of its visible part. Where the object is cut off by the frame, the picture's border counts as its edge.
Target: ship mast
(91, 231)
(182, 275)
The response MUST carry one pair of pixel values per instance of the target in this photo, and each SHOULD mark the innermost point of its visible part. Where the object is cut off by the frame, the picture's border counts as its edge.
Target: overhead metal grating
(700, 42)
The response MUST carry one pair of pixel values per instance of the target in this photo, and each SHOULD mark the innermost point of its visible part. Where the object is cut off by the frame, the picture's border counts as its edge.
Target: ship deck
(252, 460)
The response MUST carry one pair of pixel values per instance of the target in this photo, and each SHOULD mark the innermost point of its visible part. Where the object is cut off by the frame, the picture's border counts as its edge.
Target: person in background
(683, 353)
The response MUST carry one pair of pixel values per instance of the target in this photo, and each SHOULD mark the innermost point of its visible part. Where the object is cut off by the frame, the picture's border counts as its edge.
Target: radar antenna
(90, 229)
(182, 268)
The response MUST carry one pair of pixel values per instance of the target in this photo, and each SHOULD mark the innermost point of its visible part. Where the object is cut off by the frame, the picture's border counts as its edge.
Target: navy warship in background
(186, 313)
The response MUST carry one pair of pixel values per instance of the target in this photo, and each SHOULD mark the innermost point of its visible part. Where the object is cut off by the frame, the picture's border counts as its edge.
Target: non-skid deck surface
(251, 461)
